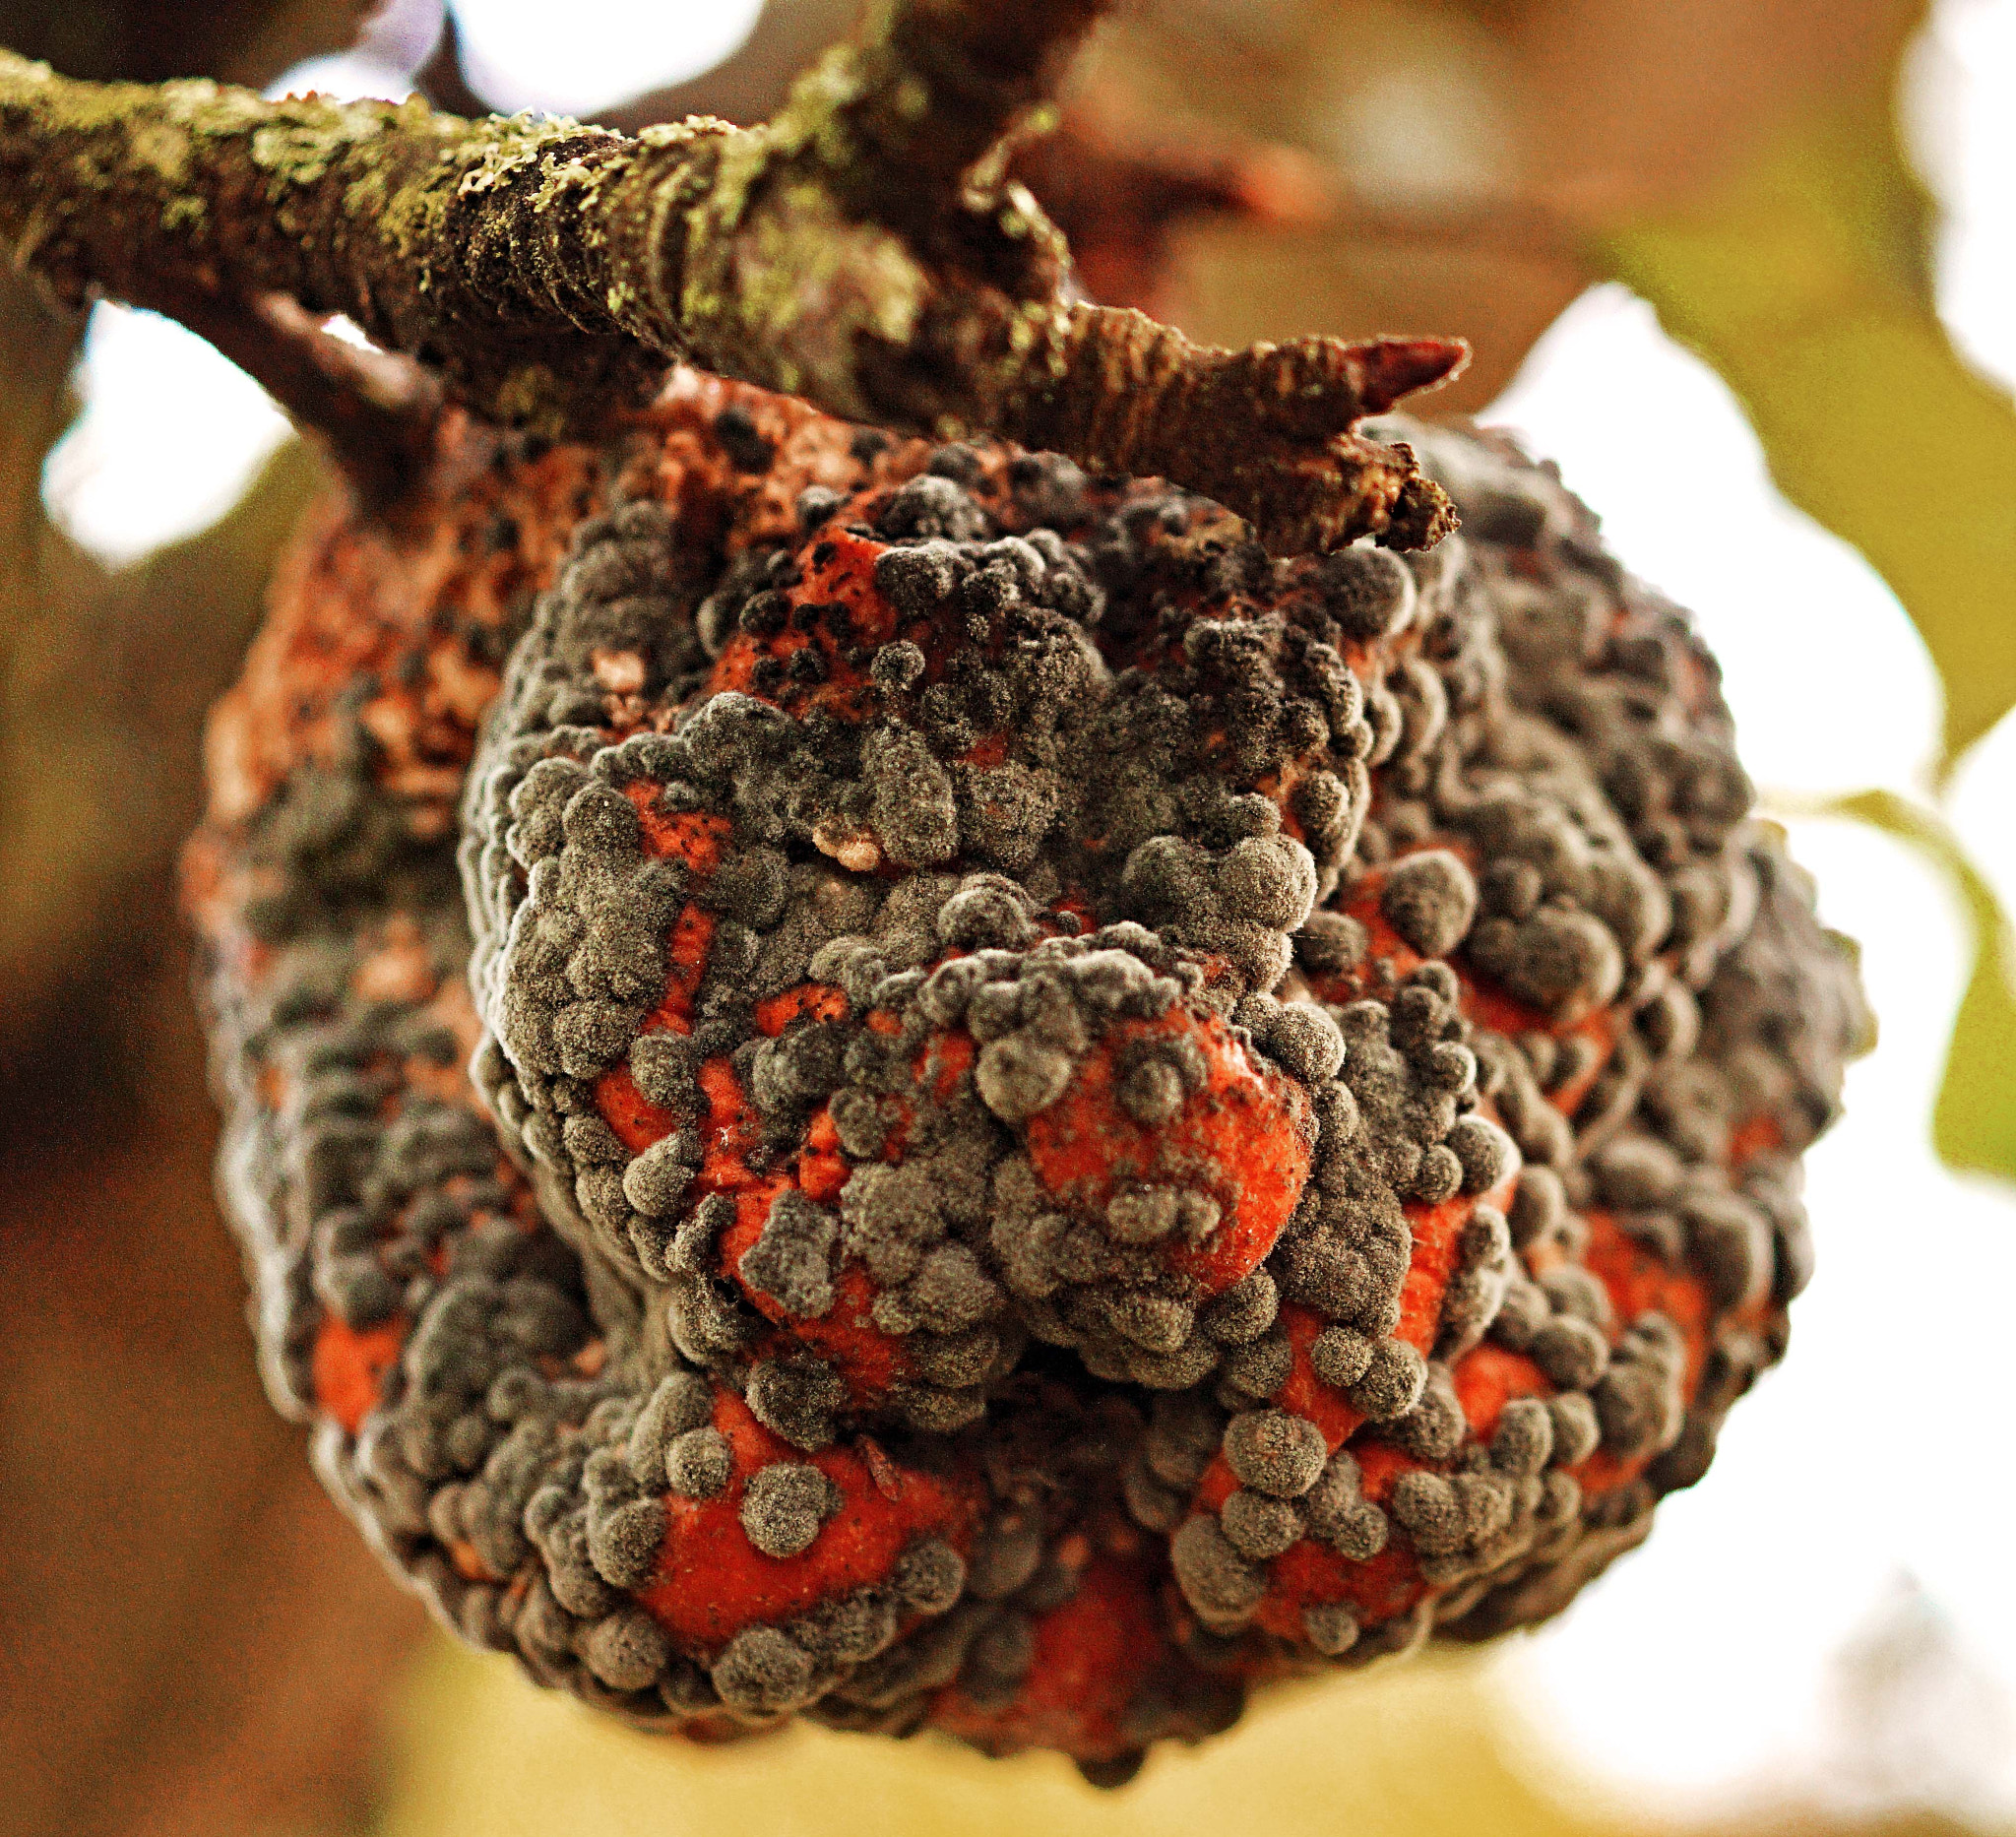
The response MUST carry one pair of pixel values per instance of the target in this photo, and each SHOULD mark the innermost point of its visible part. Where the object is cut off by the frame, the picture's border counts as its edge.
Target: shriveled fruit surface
(903, 1086)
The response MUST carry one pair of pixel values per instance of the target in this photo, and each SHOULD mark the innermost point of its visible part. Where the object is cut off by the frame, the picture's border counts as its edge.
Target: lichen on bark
(863, 249)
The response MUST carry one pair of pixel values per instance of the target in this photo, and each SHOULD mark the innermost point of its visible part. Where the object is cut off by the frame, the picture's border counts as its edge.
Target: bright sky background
(171, 432)
(1700, 1666)
(1701, 1662)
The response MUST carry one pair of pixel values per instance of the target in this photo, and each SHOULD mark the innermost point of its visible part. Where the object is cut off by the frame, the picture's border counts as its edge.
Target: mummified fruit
(1061, 1118)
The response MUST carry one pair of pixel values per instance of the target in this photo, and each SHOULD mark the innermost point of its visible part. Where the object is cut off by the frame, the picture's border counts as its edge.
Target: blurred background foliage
(191, 1640)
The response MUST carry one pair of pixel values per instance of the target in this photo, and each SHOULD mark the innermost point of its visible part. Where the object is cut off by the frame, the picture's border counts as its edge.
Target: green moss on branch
(856, 251)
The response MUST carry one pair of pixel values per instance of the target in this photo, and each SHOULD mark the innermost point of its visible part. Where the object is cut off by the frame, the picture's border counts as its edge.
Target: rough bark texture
(859, 250)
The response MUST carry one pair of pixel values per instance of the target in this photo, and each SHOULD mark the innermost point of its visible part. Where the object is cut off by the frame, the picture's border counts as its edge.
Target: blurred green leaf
(1804, 283)
(1973, 1121)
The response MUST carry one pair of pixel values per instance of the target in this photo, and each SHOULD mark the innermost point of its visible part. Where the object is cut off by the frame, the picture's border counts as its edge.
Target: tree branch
(375, 412)
(899, 117)
(752, 82)
(861, 249)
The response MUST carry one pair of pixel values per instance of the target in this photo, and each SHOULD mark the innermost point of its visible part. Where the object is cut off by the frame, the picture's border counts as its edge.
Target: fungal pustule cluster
(1062, 1119)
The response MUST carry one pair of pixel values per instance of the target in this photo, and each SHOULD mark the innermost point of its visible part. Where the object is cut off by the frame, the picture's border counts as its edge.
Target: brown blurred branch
(442, 80)
(103, 682)
(753, 80)
(1123, 195)
(249, 42)
(375, 411)
(855, 250)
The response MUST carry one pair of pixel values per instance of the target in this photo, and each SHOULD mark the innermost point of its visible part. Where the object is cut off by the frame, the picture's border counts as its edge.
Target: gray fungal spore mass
(858, 1074)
